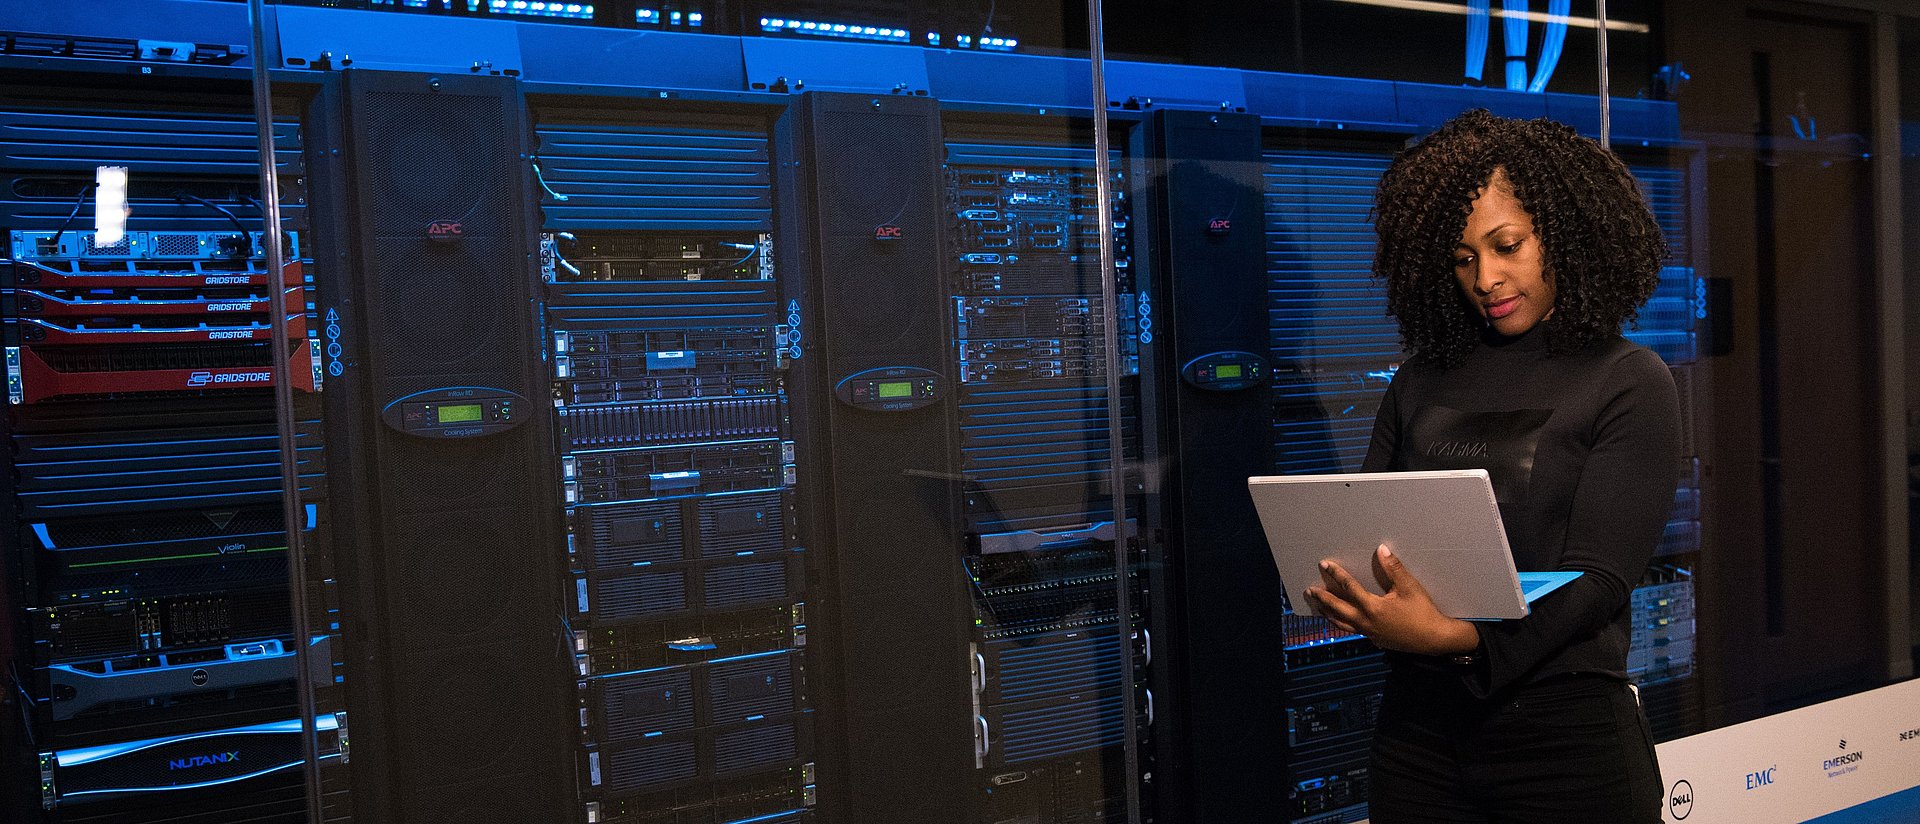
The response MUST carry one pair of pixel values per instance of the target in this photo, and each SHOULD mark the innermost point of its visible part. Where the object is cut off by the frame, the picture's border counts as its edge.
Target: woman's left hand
(1404, 619)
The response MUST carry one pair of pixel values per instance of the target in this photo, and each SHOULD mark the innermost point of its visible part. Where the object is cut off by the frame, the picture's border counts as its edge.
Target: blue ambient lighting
(541, 8)
(850, 31)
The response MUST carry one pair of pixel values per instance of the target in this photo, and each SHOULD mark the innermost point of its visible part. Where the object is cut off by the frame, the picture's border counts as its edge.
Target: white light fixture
(110, 208)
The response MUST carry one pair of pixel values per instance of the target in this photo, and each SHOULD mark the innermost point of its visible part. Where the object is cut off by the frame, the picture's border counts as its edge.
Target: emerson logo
(208, 760)
(1842, 764)
(1680, 800)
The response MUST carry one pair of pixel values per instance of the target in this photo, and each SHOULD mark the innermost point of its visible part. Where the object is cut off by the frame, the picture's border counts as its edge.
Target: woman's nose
(1487, 278)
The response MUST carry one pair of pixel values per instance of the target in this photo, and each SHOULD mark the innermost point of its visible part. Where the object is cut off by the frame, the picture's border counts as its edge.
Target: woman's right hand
(1404, 619)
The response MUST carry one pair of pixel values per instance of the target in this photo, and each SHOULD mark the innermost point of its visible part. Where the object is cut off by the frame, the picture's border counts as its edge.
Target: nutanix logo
(1910, 735)
(207, 760)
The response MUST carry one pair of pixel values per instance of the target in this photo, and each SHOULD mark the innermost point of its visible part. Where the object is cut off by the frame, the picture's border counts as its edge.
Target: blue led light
(751, 655)
(542, 8)
(768, 817)
(777, 25)
(76, 757)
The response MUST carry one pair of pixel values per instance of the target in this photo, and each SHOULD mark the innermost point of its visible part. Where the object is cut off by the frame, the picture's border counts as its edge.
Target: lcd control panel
(460, 412)
(1225, 371)
(890, 389)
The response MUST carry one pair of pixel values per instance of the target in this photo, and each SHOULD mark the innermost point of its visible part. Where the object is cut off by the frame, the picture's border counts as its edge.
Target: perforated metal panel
(710, 173)
(49, 149)
(1333, 344)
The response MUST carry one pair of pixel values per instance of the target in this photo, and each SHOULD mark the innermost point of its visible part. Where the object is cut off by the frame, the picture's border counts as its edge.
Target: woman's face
(1499, 263)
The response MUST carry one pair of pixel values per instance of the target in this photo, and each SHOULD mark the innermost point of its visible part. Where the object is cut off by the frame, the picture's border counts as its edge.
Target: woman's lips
(1502, 308)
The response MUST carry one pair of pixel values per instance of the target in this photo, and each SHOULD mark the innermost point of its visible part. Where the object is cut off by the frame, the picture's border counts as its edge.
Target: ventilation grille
(640, 595)
(616, 174)
(733, 586)
(748, 749)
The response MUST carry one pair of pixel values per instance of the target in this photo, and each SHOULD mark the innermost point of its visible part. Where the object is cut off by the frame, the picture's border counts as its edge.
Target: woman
(1513, 252)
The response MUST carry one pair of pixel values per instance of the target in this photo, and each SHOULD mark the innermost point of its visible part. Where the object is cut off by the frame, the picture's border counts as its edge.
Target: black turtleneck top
(1583, 450)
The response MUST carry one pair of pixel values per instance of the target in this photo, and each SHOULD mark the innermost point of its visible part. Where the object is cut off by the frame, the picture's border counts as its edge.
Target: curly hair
(1601, 245)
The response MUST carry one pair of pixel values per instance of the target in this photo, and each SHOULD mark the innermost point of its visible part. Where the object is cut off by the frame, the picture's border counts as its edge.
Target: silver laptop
(1444, 525)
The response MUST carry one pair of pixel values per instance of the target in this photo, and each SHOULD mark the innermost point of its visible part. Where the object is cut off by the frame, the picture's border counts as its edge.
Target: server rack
(443, 518)
(1661, 656)
(147, 547)
(862, 261)
(1050, 640)
(670, 351)
(1334, 351)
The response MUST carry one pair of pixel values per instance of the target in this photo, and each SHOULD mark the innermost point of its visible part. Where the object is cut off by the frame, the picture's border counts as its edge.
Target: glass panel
(146, 549)
(1277, 712)
(722, 429)
(733, 412)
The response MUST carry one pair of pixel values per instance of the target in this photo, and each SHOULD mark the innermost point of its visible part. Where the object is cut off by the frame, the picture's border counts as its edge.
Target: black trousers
(1566, 750)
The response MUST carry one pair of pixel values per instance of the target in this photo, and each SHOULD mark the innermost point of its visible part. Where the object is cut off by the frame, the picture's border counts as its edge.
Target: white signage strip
(1852, 760)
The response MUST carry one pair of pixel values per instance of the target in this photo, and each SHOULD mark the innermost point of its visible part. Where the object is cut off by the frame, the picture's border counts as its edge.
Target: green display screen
(1227, 370)
(463, 413)
(897, 389)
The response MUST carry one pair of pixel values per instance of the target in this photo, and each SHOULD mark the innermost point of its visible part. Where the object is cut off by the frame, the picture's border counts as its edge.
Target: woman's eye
(1510, 248)
(1461, 262)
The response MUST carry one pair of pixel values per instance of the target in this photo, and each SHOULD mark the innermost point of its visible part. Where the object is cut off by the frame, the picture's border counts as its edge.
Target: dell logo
(1680, 799)
(209, 760)
(200, 677)
(445, 231)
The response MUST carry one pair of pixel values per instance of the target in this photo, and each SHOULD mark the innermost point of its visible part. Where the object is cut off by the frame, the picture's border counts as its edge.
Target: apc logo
(1680, 800)
(888, 231)
(208, 760)
(445, 231)
(1219, 225)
